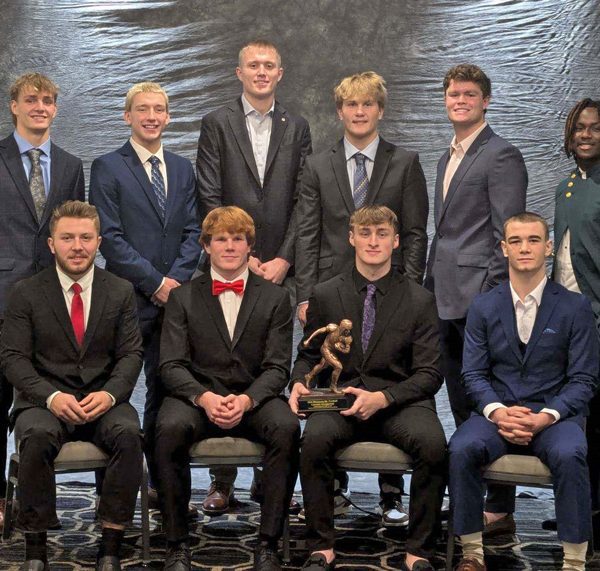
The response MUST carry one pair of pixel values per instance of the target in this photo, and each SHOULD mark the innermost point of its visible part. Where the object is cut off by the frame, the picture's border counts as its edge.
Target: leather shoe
(469, 564)
(503, 526)
(108, 563)
(318, 562)
(393, 514)
(217, 499)
(418, 565)
(34, 565)
(266, 559)
(178, 558)
(549, 524)
(153, 504)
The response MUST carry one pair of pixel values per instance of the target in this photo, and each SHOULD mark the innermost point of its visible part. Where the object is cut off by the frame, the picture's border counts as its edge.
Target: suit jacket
(137, 243)
(403, 355)
(465, 258)
(578, 209)
(38, 350)
(560, 366)
(325, 205)
(198, 355)
(227, 174)
(23, 238)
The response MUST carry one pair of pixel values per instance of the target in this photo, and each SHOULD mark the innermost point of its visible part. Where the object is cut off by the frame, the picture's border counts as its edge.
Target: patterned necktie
(36, 182)
(77, 314)
(361, 181)
(218, 287)
(158, 184)
(368, 323)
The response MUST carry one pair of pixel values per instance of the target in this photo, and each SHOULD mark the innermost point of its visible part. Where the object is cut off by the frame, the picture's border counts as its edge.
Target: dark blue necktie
(158, 184)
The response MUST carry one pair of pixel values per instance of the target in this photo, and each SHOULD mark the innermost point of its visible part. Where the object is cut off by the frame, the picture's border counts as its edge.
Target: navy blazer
(560, 366)
(23, 238)
(137, 243)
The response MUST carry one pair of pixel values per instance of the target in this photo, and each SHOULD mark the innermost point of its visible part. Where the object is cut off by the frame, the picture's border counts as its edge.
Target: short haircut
(373, 216)
(259, 43)
(144, 87)
(230, 219)
(74, 209)
(469, 72)
(525, 218)
(574, 117)
(365, 84)
(37, 81)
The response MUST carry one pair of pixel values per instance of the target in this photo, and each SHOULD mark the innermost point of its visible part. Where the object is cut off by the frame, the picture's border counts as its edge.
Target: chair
(374, 457)
(78, 456)
(234, 452)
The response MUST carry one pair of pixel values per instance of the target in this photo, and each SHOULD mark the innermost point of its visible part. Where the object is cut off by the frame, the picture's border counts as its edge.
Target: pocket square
(548, 331)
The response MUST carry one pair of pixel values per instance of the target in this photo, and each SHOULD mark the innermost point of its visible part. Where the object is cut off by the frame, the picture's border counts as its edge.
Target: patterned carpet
(226, 543)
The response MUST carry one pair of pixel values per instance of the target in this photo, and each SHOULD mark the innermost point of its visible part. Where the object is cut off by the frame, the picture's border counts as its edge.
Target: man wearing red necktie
(225, 359)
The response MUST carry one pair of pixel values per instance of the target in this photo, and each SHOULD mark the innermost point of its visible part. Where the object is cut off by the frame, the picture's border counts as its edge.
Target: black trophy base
(324, 400)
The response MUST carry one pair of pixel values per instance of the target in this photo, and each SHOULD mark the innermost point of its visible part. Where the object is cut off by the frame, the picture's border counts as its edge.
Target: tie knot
(371, 289)
(76, 288)
(360, 159)
(34, 156)
(154, 160)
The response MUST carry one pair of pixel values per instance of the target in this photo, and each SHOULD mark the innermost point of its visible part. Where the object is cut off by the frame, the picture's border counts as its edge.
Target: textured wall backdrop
(542, 55)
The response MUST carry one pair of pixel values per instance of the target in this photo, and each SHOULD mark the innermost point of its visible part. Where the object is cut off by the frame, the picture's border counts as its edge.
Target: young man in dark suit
(35, 177)
(225, 355)
(146, 198)
(72, 350)
(250, 154)
(530, 366)
(393, 371)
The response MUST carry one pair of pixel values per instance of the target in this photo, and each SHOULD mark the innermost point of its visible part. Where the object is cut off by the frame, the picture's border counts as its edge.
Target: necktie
(77, 313)
(158, 184)
(219, 287)
(368, 323)
(361, 181)
(36, 182)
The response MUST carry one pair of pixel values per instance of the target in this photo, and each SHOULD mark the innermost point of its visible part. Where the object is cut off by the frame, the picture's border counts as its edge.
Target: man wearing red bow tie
(225, 359)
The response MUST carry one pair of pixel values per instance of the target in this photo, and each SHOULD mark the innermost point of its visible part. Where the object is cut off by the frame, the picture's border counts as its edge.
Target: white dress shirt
(259, 130)
(525, 314)
(229, 300)
(369, 151)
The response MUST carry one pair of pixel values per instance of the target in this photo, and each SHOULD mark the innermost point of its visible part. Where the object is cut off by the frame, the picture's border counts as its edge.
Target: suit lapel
(439, 187)
(352, 310)
(251, 295)
(549, 301)
(172, 185)
(237, 122)
(98, 303)
(12, 159)
(57, 175)
(279, 125)
(506, 311)
(204, 286)
(383, 157)
(340, 170)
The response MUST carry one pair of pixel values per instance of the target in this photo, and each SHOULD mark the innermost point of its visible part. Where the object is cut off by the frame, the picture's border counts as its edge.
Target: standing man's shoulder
(64, 155)
(220, 115)
(398, 153)
(497, 143)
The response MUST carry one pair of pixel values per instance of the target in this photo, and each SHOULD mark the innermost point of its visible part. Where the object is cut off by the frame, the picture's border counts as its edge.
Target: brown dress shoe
(469, 564)
(504, 526)
(217, 499)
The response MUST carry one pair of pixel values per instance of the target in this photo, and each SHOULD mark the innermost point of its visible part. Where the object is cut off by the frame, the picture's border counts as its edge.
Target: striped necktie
(158, 185)
(361, 181)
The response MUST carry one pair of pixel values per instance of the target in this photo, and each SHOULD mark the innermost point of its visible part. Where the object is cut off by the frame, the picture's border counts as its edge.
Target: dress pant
(499, 499)
(41, 435)
(415, 429)
(6, 399)
(561, 446)
(180, 424)
(592, 429)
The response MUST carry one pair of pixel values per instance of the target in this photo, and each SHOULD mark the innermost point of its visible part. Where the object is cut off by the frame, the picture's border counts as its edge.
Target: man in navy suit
(29, 160)
(530, 366)
(146, 198)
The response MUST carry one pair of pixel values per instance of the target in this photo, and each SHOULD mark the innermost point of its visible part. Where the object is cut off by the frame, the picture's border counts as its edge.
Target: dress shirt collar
(243, 276)
(66, 282)
(249, 109)
(25, 145)
(144, 154)
(535, 294)
(467, 142)
(369, 151)
(361, 282)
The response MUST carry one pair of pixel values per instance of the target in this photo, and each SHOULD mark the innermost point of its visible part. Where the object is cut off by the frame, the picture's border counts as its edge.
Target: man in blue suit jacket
(24, 219)
(530, 366)
(146, 198)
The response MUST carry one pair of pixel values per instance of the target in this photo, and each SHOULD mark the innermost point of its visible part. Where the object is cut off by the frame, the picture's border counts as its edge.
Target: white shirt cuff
(162, 283)
(51, 398)
(553, 412)
(113, 399)
(489, 408)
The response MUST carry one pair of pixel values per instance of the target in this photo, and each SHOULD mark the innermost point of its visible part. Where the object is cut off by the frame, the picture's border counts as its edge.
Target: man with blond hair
(146, 199)
(359, 170)
(35, 176)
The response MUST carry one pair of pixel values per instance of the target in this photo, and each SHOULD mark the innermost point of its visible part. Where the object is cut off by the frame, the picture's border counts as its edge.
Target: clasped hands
(518, 424)
(225, 412)
(66, 407)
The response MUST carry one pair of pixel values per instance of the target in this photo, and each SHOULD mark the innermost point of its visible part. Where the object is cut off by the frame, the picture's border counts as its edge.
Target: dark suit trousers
(500, 499)
(41, 435)
(561, 446)
(180, 424)
(414, 429)
(6, 399)
(592, 429)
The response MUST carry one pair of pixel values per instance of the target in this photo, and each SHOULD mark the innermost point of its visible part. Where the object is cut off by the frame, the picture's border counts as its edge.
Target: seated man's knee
(39, 437)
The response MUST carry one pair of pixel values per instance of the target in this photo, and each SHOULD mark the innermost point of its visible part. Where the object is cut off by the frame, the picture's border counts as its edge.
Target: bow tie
(219, 287)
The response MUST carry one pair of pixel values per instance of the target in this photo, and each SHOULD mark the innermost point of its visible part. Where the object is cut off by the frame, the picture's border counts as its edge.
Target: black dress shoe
(549, 524)
(266, 559)
(418, 565)
(34, 565)
(318, 562)
(178, 558)
(108, 563)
